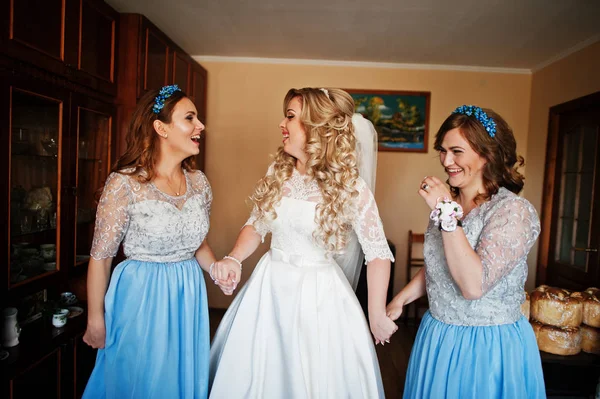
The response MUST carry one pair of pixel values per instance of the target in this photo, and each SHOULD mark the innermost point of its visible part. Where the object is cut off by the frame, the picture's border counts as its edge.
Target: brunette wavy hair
(142, 140)
(500, 152)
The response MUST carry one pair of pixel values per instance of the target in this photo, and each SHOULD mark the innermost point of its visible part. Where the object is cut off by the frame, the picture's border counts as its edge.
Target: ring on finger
(424, 186)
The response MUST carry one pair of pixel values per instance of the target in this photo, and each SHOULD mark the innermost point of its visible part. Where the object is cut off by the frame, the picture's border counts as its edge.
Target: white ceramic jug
(10, 328)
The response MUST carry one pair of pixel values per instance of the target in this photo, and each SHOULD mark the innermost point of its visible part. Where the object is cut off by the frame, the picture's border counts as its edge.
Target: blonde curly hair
(331, 148)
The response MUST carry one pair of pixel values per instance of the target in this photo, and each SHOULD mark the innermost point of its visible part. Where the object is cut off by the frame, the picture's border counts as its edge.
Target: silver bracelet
(210, 268)
(235, 260)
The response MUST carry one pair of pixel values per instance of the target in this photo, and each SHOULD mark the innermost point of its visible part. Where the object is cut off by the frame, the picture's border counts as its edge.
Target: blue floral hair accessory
(471, 110)
(163, 94)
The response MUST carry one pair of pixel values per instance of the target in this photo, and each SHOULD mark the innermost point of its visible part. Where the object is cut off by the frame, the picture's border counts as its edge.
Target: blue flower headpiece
(163, 94)
(471, 110)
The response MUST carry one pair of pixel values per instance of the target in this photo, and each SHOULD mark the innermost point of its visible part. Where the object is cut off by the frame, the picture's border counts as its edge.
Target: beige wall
(572, 77)
(244, 109)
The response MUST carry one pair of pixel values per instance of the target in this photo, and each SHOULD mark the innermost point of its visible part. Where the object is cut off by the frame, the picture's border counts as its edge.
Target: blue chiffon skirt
(450, 361)
(157, 333)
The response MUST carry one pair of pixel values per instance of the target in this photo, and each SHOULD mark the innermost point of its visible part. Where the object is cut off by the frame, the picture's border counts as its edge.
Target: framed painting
(401, 118)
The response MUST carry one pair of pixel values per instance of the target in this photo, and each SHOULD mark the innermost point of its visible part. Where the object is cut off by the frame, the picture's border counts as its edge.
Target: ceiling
(522, 34)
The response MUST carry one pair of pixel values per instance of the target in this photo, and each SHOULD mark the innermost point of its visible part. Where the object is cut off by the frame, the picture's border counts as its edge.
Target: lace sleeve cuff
(379, 252)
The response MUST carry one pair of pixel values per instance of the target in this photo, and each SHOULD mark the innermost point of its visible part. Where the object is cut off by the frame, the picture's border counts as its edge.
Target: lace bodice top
(501, 231)
(154, 226)
(292, 230)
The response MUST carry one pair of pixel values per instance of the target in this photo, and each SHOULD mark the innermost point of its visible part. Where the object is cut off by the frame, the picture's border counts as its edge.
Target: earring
(165, 136)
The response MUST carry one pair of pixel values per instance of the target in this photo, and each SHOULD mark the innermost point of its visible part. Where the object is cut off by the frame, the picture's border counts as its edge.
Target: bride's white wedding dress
(296, 329)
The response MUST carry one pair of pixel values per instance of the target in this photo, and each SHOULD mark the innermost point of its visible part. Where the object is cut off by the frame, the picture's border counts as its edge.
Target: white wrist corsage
(447, 214)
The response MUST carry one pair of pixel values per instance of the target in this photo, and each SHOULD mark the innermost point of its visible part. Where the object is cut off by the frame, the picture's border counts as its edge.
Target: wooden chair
(414, 260)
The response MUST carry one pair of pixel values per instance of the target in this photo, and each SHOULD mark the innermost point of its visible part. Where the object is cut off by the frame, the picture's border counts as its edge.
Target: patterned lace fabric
(292, 230)
(502, 231)
(154, 226)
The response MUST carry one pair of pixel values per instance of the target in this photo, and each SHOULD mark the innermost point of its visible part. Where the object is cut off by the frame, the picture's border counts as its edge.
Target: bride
(296, 328)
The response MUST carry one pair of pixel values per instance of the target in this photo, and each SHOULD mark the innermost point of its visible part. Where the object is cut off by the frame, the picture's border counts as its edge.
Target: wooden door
(92, 149)
(571, 212)
(95, 57)
(155, 52)
(181, 71)
(34, 31)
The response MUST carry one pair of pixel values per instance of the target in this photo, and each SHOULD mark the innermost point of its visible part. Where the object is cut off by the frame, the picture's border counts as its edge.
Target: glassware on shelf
(25, 224)
(50, 146)
(48, 252)
(20, 141)
(53, 220)
(41, 219)
(83, 149)
(39, 198)
(46, 142)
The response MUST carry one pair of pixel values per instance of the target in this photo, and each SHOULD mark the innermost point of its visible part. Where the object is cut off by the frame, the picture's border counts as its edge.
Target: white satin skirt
(295, 330)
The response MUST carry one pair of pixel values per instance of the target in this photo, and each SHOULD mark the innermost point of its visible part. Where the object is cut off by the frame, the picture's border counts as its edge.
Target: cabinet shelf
(31, 232)
(90, 160)
(36, 157)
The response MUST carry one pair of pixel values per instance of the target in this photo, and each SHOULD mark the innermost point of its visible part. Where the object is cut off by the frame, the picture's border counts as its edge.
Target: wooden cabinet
(92, 154)
(52, 361)
(59, 119)
(34, 145)
(95, 61)
(181, 67)
(57, 140)
(75, 39)
(148, 60)
(57, 146)
(43, 376)
(37, 37)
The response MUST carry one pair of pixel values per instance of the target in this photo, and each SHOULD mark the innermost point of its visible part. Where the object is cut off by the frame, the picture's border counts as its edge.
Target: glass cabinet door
(35, 170)
(94, 127)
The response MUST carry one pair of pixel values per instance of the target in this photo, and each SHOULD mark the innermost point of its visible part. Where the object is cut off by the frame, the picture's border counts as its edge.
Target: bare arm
(246, 243)
(205, 256)
(378, 276)
(414, 290)
(97, 284)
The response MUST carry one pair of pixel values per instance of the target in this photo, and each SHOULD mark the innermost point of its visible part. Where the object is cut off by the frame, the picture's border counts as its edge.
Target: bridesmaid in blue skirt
(151, 325)
(474, 341)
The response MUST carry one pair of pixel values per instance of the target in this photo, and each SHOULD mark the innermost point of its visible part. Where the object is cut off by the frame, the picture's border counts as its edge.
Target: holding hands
(226, 273)
(382, 328)
(394, 308)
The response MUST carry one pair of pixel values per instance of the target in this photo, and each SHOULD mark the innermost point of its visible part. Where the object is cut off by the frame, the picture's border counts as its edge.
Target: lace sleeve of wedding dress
(261, 228)
(112, 218)
(507, 236)
(368, 226)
